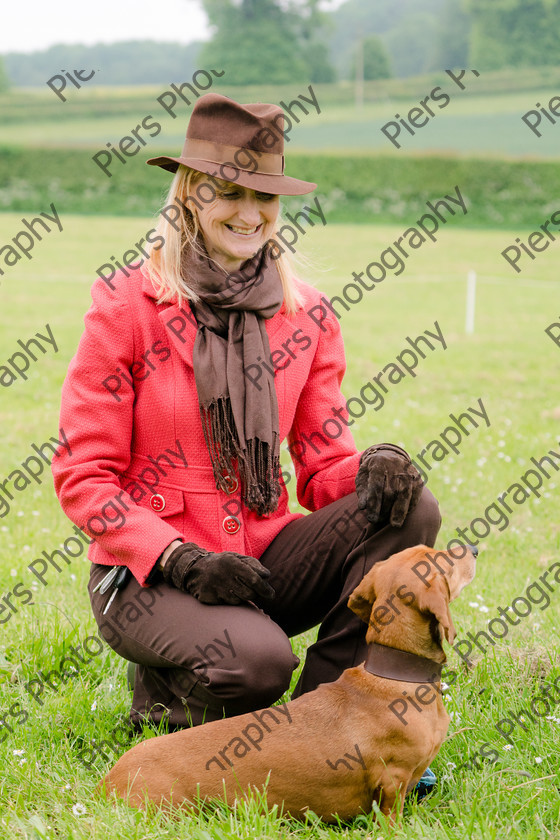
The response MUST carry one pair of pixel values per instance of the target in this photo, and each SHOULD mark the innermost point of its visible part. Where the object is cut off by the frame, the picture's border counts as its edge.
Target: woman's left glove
(388, 485)
(224, 577)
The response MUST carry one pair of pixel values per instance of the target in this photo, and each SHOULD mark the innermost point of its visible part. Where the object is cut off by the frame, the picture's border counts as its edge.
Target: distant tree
(257, 41)
(407, 28)
(319, 65)
(120, 63)
(411, 45)
(313, 26)
(377, 64)
(514, 33)
(452, 37)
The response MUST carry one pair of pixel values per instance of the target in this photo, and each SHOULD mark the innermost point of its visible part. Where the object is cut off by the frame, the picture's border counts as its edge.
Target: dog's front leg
(393, 787)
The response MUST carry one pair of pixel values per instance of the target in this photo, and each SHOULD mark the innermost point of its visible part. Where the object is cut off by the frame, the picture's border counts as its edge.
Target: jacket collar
(181, 326)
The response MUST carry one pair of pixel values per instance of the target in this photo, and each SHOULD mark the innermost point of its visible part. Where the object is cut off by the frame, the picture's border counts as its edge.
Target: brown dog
(366, 737)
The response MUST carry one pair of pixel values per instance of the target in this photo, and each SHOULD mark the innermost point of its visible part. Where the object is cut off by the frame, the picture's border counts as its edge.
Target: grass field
(474, 122)
(509, 362)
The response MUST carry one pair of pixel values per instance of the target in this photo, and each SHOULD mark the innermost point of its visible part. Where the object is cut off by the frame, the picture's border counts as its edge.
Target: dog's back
(328, 751)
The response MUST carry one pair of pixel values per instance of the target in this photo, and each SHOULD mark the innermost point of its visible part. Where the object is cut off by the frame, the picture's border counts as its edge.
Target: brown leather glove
(216, 578)
(387, 484)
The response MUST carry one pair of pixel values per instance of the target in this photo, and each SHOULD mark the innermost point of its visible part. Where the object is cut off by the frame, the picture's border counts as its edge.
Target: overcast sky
(30, 25)
(34, 24)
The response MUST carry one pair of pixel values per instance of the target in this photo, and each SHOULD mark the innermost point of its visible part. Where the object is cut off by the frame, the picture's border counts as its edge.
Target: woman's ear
(363, 597)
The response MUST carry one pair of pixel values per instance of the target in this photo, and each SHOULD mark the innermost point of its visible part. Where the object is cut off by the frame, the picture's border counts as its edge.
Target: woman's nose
(248, 210)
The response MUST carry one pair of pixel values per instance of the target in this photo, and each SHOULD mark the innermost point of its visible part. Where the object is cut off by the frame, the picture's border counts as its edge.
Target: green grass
(509, 362)
(478, 126)
(483, 120)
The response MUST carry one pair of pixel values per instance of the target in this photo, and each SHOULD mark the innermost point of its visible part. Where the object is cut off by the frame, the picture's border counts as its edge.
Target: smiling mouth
(244, 231)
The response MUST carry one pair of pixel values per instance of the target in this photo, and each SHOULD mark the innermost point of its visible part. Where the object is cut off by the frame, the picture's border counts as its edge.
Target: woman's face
(237, 223)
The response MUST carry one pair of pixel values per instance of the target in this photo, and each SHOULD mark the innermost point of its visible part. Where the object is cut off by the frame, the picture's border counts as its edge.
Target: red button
(157, 503)
(231, 483)
(231, 524)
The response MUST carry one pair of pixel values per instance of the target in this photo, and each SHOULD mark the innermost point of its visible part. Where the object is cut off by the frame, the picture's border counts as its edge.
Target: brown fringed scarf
(239, 416)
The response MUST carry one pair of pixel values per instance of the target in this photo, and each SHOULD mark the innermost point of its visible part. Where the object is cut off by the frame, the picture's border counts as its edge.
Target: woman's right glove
(388, 484)
(216, 578)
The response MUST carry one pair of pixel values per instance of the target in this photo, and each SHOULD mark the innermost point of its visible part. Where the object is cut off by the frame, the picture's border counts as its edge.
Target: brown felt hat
(239, 143)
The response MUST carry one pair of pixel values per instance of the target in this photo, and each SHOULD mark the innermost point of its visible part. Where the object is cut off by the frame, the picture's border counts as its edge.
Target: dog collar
(394, 664)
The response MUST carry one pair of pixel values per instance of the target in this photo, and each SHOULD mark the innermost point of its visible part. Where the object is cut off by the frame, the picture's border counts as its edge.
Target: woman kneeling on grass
(191, 372)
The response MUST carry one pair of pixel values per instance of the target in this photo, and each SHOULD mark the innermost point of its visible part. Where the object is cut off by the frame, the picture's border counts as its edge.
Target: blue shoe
(426, 785)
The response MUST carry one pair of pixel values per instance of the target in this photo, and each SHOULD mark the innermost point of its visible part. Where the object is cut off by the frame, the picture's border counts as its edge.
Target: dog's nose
(473, 549)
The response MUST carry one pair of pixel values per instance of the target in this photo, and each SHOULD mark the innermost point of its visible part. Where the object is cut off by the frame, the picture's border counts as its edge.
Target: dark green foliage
(260, 40)
(121, 63)
(319, 66)
(282, 41)
(407, 28)
(441, 34)
(453, 36)
(514, 33)
(273, 54)
(377, 64)
(351, 189)
(412, 44)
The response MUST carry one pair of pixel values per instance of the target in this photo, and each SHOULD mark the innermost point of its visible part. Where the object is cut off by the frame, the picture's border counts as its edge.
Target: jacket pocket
(166, 502)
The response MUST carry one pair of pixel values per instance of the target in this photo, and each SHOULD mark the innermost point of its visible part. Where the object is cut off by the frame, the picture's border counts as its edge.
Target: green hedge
(351, 189)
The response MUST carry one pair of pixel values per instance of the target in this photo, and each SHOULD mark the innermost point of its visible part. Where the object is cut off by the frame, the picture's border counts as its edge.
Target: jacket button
(231, 483)
(231, 524)
(157, 503)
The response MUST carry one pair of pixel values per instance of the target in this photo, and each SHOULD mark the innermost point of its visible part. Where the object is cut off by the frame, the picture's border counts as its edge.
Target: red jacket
(139, 474)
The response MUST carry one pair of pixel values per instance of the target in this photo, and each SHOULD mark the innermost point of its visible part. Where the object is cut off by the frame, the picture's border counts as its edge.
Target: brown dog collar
(394, 664)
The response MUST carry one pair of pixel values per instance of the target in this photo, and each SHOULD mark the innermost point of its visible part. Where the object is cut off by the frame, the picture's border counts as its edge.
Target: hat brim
(275, 184)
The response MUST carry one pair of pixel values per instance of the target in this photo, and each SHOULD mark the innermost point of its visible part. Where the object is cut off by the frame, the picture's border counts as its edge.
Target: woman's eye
(233, 194)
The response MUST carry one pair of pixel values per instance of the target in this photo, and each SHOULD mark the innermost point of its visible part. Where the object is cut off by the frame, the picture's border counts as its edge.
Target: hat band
(224, 156)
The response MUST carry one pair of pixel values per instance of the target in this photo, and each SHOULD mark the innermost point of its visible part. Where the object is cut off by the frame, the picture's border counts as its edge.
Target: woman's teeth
(244, 231)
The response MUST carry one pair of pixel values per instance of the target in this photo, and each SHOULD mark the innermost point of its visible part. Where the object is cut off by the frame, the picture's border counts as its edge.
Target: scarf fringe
(257, 467)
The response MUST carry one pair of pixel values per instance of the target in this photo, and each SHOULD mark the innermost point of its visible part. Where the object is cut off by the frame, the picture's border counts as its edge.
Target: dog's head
(418, 579)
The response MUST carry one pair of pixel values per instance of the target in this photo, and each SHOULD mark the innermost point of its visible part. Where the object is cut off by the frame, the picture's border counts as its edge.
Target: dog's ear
(362, 598)
(435, 600)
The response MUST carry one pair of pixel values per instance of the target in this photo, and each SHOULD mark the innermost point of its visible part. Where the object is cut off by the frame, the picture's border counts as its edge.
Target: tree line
(283, 41)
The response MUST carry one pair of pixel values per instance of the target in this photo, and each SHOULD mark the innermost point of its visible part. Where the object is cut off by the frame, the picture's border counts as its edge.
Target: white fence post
(471, 302)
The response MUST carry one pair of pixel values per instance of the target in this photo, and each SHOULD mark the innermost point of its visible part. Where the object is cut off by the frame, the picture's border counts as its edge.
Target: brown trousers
(199, 662)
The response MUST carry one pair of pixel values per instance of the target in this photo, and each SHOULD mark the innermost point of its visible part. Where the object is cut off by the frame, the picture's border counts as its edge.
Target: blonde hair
(163, 265)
